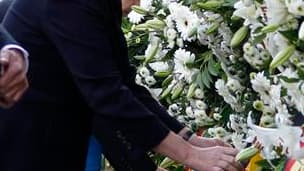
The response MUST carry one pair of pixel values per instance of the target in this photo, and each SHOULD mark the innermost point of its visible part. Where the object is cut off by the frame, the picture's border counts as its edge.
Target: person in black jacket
(93, 162)
(80, 80)
(13, 67)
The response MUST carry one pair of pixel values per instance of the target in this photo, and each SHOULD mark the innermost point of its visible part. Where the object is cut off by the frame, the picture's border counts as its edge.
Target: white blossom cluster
(222, 68)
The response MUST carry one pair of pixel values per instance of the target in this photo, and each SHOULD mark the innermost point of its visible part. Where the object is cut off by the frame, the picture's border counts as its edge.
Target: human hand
(13, 81)
(127, 4)
(207, 142)
(213, 159)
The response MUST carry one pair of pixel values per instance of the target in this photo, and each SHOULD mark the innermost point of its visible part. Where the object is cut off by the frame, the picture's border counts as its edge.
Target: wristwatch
(187, 135)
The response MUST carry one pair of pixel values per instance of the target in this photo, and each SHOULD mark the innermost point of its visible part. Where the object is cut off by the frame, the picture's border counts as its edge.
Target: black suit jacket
(4, 5)
(80, 79)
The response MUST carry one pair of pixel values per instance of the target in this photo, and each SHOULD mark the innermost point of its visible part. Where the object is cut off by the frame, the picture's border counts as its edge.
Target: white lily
(277, 12)
(275, 42)
(247, 11)
(286, 136)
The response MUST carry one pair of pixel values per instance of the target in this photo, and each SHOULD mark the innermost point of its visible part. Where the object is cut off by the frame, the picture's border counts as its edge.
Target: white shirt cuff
(22, 50)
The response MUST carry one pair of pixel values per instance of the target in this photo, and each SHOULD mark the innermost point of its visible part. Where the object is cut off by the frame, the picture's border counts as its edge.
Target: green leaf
(300, 44)
(291, 35)
(230, 3)
(212, 68)
(204, 56)
(257, 30)
(199, 80)
(208, 55)
(167, 81)
(280, 167)
(258, 39)
(289, 80)
(264, 164)
(209, 77)
(162, 74)
(206, 78)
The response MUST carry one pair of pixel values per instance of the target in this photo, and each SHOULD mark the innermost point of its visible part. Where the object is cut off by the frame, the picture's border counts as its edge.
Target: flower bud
(213, 28)
(165, 93)
(191, 90)
(270, 28)
(235, 18)
(152, 51)
(246, 153)
(282, 57)
(139, 57)
(139, 10)
(162, 74)
(177, 91)
(156, 24)
(140, 27)
(210, 5)
(239, 36)
(167, 81)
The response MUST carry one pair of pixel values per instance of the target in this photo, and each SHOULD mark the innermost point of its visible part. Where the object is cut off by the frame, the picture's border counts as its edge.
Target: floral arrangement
(234, 68)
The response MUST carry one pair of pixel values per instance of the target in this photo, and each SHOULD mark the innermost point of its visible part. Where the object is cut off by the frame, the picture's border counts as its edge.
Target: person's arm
(146, 98)
(14, 65)
(84, 42)
(7, 42)
(121, 122)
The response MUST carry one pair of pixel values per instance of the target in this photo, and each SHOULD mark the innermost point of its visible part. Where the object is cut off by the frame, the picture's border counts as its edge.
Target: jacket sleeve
(5, 37)
(152, 104)
(83, 40)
